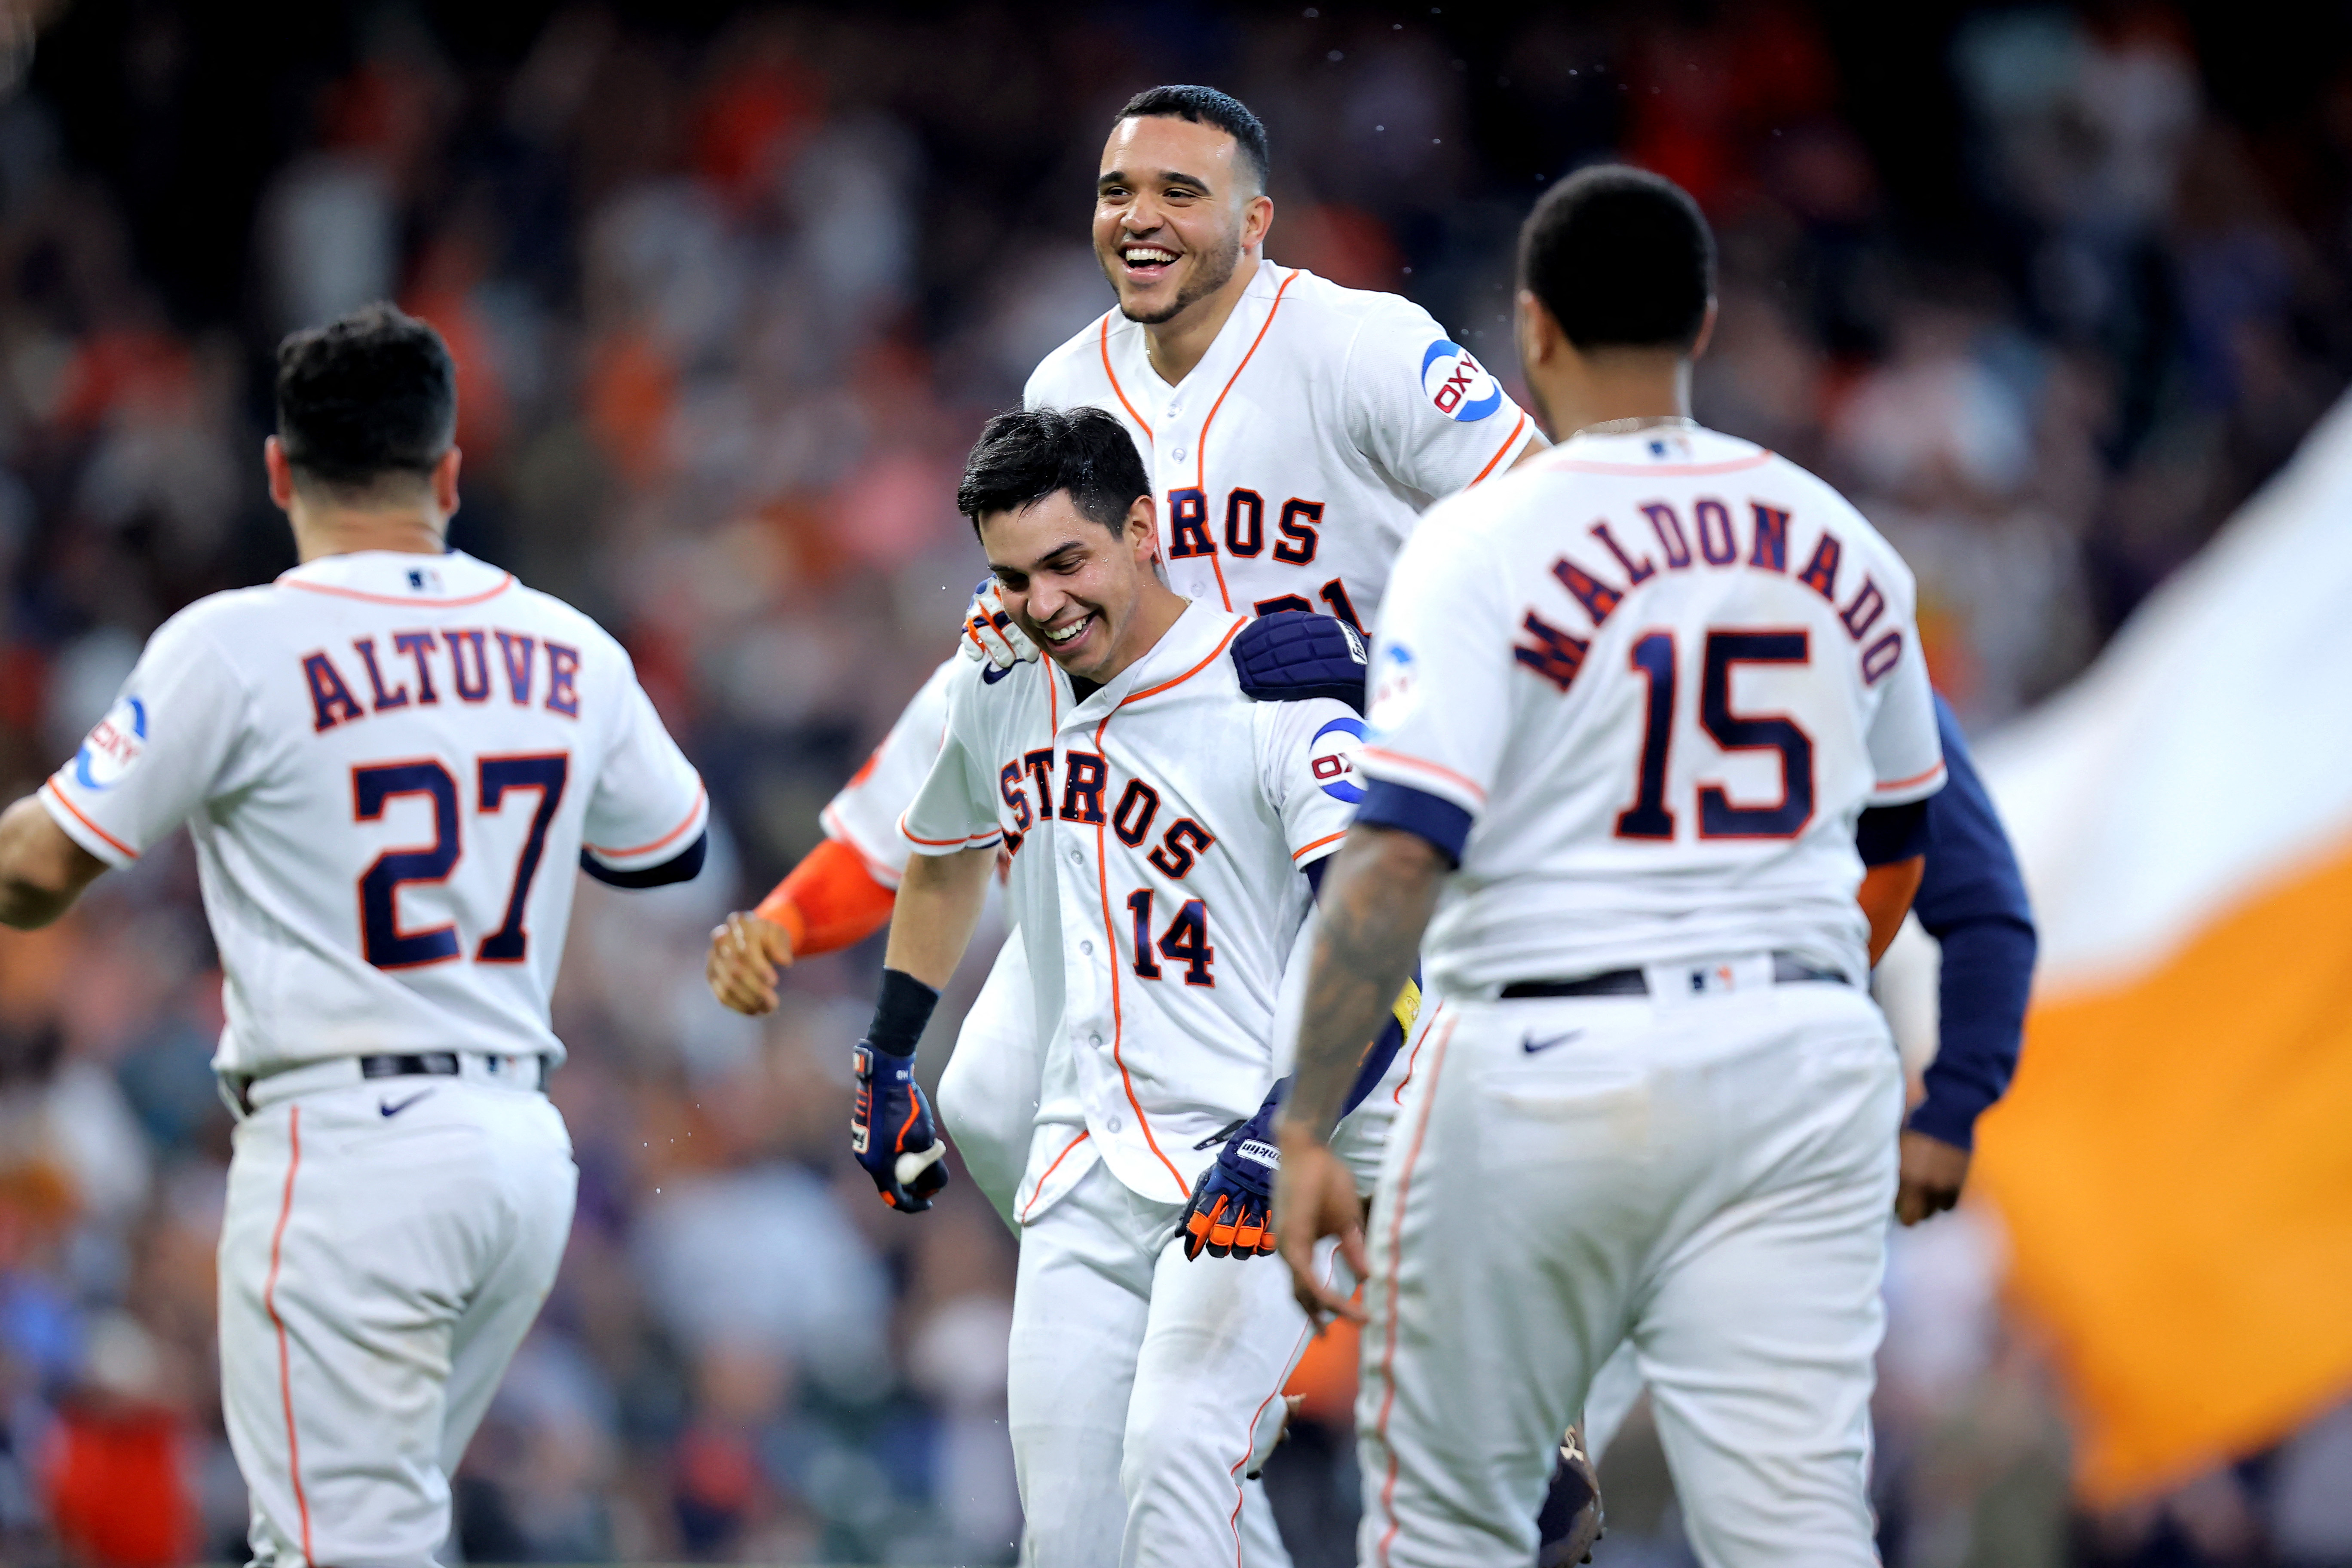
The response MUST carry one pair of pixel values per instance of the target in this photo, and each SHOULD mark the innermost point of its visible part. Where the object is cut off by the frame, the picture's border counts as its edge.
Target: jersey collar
(1664, 445)
(1198, 638)
(444, 582)
(1216, 366)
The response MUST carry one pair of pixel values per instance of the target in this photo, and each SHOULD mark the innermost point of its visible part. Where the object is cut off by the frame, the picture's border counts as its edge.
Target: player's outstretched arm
(827, 903)
(891, 1129)
(1377, 900)
(42, 871)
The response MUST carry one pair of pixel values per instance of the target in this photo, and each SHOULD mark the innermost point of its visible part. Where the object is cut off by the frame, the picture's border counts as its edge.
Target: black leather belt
(239, 1087)
(1787, 969)
(428, 1064)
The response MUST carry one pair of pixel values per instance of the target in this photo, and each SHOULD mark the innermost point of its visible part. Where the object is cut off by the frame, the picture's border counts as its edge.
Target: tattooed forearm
(1377, 900)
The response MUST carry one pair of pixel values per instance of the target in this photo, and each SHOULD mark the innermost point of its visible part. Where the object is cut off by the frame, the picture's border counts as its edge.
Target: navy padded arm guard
(1291, 656)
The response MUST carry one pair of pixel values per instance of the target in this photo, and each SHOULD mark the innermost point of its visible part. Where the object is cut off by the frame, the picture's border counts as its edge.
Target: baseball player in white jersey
(1158, 817)
(391, 760)
(1295, 429)
(1636, 698)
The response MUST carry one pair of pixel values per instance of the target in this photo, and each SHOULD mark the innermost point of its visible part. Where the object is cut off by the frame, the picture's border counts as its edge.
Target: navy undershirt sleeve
(1887, 834)
(1973, 902)
(683, 866)
(1444, 825)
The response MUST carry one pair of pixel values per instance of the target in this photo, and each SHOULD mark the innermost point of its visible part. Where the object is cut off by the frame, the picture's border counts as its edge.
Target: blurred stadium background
(2050, 291)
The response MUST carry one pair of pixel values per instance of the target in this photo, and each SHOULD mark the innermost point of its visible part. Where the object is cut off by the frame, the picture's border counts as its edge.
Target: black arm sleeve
(683, 866)
(1972, 901)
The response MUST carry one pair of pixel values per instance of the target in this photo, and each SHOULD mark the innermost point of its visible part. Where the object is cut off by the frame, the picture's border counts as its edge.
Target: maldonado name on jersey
(1715, 539)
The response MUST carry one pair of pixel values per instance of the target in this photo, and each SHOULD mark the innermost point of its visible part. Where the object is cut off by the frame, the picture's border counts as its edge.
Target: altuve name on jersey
(403, 673)
(1557, 653)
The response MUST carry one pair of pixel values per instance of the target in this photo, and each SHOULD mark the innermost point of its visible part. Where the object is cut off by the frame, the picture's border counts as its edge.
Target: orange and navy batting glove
(991, 634)
(890, 1128)
(1227, 1214)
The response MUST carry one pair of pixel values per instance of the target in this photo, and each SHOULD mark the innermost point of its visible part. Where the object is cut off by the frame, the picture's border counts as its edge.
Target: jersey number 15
(1653, 657)
(381, 941)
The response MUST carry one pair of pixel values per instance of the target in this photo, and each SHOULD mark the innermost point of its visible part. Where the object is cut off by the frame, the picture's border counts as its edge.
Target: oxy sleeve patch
(1457, 385)
(114, 747)
(1331, 758)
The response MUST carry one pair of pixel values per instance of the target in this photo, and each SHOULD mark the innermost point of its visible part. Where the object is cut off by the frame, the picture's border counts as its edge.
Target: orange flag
(2174, 1162)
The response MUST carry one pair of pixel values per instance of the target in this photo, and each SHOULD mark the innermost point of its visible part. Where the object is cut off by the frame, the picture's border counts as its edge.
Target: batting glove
(1227, 1215)
(991, 634)
(891, 1133)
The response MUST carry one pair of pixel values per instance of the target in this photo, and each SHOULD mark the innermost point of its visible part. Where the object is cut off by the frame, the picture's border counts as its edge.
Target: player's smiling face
(1087, 595)
(1175, 207)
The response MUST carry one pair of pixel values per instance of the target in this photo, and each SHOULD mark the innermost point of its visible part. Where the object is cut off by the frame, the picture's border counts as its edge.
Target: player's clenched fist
(746, 954)
(1227, 1215)
(891, 1133)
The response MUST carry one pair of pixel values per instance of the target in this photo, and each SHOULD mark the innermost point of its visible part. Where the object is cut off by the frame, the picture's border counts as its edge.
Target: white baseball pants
(1140, 1384)
(1707, 1175)
(989, 1088)
(385, 1249)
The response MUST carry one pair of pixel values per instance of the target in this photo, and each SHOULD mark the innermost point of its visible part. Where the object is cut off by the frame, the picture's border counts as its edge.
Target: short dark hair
(368, 396)
(1622, 258)
(1206, 106)
(1026, 455)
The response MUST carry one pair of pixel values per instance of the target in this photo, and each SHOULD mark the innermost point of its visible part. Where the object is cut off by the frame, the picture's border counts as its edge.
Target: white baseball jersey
(1155, 829)
(390, 763)
(1294, 459)
(865, 812)
(1663, 673)
(1337, 415)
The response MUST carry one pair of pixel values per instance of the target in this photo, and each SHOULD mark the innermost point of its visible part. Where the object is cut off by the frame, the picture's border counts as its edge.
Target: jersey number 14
(381, 941)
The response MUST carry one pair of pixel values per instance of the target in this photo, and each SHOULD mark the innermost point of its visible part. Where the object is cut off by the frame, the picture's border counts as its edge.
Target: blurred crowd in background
(2048, 291)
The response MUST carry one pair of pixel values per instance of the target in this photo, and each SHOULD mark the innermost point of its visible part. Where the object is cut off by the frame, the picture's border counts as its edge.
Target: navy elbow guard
(1289, 657)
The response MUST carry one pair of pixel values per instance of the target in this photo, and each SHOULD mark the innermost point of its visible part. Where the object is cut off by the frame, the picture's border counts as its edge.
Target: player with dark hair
(389, 760)
(1292, 431)
(1155, 784)
(1635, 751)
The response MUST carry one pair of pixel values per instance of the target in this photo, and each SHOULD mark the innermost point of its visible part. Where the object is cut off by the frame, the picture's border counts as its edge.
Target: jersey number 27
(381, 941)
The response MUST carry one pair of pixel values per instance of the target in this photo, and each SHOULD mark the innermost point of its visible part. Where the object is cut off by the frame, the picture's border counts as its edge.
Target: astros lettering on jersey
(1159, 897)
(1708, 805)
(426, 744)
(1294, 459)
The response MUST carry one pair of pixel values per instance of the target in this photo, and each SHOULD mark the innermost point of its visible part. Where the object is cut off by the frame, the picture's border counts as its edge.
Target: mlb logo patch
(424, 580)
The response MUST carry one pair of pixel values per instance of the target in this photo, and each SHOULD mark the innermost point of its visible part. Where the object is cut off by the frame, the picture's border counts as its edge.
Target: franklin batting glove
(891, 1133)
(890, 1128)
(1227, 1215)
(991, 634)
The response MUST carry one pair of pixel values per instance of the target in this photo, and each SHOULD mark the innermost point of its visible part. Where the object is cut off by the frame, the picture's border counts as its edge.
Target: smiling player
(1158, 815)
(1293, 431)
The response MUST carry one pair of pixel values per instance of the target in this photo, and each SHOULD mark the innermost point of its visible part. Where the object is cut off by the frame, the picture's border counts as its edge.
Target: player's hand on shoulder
(892, 1133)
(991, 634)
(1291, 657)
(745, 953)
(1228, 1213)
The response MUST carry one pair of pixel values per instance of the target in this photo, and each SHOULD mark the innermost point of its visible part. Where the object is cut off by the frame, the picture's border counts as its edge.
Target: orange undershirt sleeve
(828, 901)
